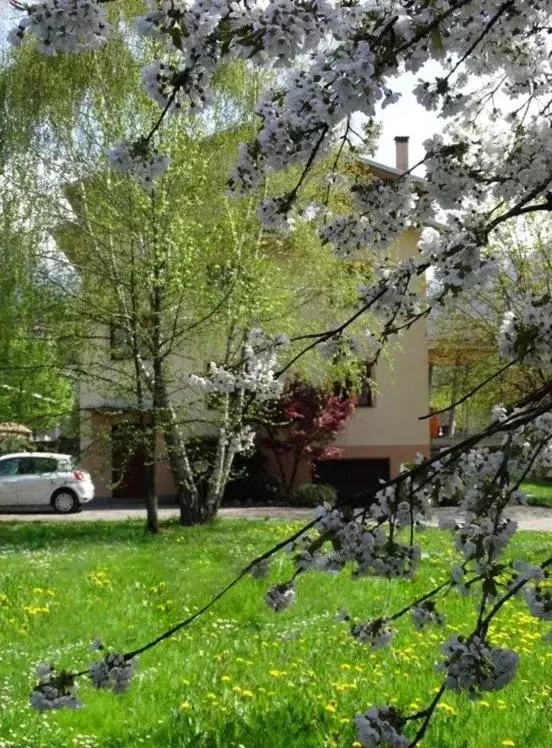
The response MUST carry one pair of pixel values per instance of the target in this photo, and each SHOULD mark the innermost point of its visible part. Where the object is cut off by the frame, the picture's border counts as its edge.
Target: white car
(44, 478)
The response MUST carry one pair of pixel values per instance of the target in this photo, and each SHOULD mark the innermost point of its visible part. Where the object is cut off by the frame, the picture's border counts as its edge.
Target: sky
(407, 117)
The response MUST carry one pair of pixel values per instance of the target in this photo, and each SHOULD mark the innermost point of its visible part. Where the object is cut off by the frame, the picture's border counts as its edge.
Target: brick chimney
(401, 146)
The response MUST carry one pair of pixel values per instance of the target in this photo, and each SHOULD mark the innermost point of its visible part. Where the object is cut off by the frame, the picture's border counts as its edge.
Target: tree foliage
(491, 166)
(302, 425)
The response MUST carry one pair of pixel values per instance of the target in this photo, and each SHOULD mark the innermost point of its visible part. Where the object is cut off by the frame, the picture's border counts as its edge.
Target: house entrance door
(128, 463)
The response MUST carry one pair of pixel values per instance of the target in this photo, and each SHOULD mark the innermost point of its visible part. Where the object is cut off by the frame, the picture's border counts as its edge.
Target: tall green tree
(463, 342)
(172, 277)
(36, 388)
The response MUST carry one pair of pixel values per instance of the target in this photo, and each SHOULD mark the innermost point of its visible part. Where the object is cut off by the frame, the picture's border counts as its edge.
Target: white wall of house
(401, 395)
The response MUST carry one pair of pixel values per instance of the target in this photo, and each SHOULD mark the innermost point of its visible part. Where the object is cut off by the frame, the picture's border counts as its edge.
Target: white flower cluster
(376, 633)
(450, 172)
(473, 665)
(391, 296)
(526, 571)
(181, 23)
(389, 208)
(539, 600)
(242, 440)
(54, 690)
(260, 569)
(477, 471)
(280, 596)
(401, 504)
(473, 478)
(273, 214)
(139, 161)
(64, 26)
(171, 87)
(338, 348)
(342, 73)
(390, 560)
(369, 549)
(527, 333)
(458, 574)
(255, 375)
(114, 672)
(482, 541)
(282, 29)
(456, 259)
(347, 233)
(544, 461)
(426, 614)
(381, 726)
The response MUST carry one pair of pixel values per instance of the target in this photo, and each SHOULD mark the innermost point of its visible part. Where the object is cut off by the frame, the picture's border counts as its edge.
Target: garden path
(528, 517)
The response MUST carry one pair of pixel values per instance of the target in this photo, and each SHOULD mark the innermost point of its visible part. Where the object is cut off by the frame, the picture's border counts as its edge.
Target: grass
(539, 493)
(242, 676)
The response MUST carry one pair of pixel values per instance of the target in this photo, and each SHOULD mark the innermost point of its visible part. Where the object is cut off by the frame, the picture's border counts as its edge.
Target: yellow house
(384, 432)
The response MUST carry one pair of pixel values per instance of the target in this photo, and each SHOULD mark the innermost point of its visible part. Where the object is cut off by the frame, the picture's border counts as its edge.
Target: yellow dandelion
(225, 678)
(247, 692)
(447, 708)
(330, 708)
(185, 706)
(507, 741)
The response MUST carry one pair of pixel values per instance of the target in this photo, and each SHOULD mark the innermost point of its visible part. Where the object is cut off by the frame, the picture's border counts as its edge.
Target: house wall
(95, 450)
(96, 455)
(391, 428)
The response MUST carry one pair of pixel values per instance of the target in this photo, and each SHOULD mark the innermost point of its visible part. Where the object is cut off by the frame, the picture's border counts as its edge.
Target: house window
(120, 347)
(365, 396)
(348, 387)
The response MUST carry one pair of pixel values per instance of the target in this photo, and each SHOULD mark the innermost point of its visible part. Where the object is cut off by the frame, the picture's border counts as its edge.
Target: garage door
(352, 477)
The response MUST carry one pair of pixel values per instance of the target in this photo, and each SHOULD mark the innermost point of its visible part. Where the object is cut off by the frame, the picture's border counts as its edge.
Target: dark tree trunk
(152, 518)
(152, 522)
(190, 511)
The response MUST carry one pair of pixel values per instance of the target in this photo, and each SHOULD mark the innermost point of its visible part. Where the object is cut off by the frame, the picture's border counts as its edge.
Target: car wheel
(65, 501)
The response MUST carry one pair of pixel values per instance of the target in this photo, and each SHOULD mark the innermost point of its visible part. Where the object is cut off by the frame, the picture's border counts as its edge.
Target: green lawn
(538, 494)
(243, 675)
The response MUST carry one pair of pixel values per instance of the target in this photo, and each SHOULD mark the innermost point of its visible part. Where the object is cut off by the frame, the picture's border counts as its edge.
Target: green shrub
(15, 443)
(313, 494)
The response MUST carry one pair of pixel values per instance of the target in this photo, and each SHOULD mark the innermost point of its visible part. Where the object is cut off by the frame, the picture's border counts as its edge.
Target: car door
(9, 481)
(36, 479)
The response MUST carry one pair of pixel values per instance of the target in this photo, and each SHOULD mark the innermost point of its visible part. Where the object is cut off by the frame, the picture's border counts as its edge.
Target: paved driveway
(528, 517)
